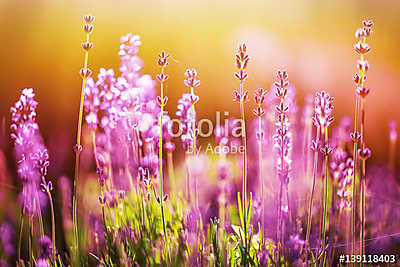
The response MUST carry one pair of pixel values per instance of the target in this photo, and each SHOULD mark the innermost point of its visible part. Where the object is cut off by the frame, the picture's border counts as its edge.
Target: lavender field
(282, 181)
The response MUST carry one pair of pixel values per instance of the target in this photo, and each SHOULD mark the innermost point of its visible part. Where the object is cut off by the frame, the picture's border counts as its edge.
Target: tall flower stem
(362, 48)
(196, 198)
(322, 119)
(353, 186)
(53, 225)
(30, 240)
(282, 144)
(39, 213)
(260, 163)
(85, 73)
(244, 173)
(326, 179)
(362, 178)
(242, 60)
(47, 187)
(259, 111)
(309, 219)
(20, 236)
(280, 220)
(191, 82)
(162, 101)
(161, 158)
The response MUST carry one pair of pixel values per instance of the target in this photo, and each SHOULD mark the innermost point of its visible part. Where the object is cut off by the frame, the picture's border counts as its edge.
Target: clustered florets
(342, 171)
(185, 114)
(32, 156)
(323, 110)
(242, 60)
(191, 80)
(362, 48)
(282, 139)
(127, 111)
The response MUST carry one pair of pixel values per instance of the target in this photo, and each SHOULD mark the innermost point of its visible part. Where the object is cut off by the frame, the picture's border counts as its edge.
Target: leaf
(240, 210)
(249, 209)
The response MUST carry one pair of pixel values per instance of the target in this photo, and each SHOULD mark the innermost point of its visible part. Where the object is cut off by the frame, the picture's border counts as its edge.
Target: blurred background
(313, 40)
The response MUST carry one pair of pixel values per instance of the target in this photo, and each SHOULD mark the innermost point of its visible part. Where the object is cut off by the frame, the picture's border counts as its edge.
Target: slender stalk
(244, 185)
(196, 201)
(77, 153)
(53, 225)
(39, 214)
(325, 195)
(278, 230)
(161, 156)
(361, 49)
(309, 219)
(30, 240)
(362, 178)
(242, 60)
(280, 219)
(353, 186)
(20, 236)
(261, 180)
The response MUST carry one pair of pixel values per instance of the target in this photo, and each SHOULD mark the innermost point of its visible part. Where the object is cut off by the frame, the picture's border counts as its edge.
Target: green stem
(280, 227)
(325, 195)
(244, 185)
(77, 157)
(20, 236)
(261, 181)
(309, 220)
(39, 214)
(53, 226)
(362, 179)
(194, 149)
(30, 240)
(161, 158)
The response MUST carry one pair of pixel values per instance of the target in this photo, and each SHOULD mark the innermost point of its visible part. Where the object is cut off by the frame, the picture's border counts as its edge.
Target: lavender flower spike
(85, 72)
(283, 146)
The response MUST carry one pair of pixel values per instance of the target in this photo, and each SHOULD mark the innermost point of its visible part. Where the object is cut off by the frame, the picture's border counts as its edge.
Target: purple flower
(42, 263)
(341, 165)
(192, 220)
(30, 152)
(97, 230)
(3, 263)
(295, 244)
(263, 256)
(46, 247)
(282, 138)
(7, 238)
(91, 103)
(131, 64)
(191, 80)
(42, 161)
(185, 114)
(224, 169)
(323, 109)
(24, 109)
